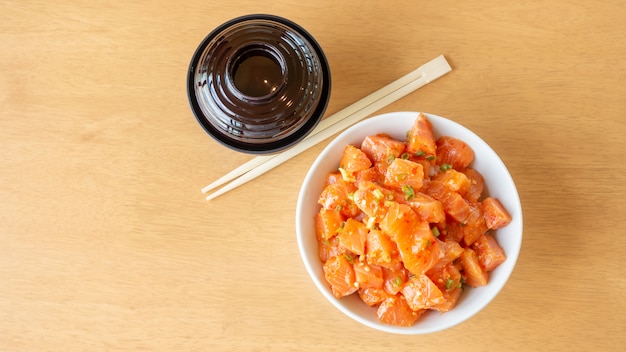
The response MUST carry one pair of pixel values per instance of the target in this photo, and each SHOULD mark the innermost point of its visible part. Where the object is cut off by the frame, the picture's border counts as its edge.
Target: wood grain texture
(106, 242)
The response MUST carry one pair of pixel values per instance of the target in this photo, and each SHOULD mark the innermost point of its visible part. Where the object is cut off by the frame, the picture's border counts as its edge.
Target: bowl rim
(516, 226)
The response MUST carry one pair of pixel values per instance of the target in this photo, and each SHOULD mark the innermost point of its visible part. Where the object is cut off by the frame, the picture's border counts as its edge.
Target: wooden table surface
(107, 244)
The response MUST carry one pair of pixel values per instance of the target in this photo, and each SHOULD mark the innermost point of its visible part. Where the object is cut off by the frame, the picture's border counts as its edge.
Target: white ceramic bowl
(498, 184)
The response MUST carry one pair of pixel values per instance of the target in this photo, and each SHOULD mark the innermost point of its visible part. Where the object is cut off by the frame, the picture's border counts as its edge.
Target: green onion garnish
(409, 193)
(445, 167)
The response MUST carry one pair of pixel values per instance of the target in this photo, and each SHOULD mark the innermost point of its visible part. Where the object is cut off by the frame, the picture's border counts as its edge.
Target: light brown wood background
(107, 244)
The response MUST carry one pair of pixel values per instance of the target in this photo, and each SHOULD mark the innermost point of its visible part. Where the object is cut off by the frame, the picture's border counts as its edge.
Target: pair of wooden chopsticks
(329, 126)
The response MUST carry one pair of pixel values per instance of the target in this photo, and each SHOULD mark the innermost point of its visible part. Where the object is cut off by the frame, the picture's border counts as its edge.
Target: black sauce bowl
(258, 83)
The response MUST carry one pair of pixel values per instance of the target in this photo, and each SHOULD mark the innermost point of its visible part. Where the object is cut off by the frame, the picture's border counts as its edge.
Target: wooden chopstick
(344, 118)
(242, 169)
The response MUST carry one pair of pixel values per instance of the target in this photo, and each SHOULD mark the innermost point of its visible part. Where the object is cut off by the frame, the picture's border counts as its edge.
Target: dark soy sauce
(257, 73)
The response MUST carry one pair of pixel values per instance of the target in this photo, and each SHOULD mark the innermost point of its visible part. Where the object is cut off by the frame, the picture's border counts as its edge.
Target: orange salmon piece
(420, 137)
(336, 196)
(451, 251)
(329, 248)
(475, 225)
(477, 185)
(368, 276)
(371, 198)
(354, 159)
(327, 223)
(339, 273)
(395, 310)
(353, 236)
(455, 181)
(372, 296)
(399, 219)
(380, 147)
(451, 298)
(447, 277)
(453, 203)
(418, 247)
(426, 207)
(495, 215)
(474, 275)
(394, 279)
(489, 252)
(404, 173)
(454, 152)
(379, 248)
(422, 293)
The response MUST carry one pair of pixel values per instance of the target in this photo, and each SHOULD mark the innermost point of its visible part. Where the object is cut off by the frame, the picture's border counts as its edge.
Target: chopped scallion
(397, 281)
(409, 193)
(370, 223)
(347, 176)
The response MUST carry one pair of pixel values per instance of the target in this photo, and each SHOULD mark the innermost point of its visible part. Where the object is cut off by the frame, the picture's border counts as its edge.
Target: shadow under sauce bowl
(258, 84)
